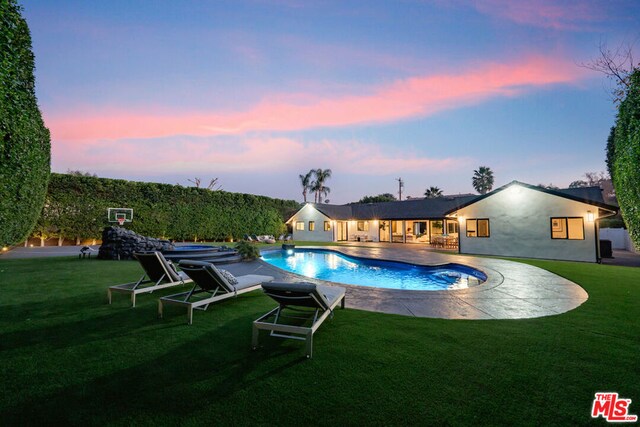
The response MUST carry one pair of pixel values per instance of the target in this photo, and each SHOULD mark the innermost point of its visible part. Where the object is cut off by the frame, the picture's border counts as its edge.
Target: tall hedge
(76, 207)
(25, 147)
(626, 165)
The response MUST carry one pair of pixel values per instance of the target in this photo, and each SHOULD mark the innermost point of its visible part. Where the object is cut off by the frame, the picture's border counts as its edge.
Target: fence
(619, 238)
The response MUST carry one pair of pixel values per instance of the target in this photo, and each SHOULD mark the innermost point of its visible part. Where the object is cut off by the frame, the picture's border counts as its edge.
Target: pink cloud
(402, 99)
(564, 15)
(207, 154)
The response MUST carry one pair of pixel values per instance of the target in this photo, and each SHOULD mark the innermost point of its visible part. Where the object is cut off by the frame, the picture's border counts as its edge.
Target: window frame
(466, 230)
(312, 226)
(566, 226)
(365, 226)
(327, 226)
(298, 224)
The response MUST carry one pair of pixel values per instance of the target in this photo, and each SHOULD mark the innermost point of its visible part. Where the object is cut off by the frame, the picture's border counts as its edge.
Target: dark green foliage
(433, 192)
(68, 358)
(482, 179)
(247, 250)
(77, 207)
(626, 167)
(611, 151)
(25, 148)
(385, 197)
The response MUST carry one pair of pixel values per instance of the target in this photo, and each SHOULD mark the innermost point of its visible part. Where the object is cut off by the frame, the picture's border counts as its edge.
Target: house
(522, 220)
(409, 221)
(516, 220)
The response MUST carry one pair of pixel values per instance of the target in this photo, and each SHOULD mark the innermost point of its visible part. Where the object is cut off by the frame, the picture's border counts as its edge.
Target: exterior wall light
(460, 219)
(590, 216)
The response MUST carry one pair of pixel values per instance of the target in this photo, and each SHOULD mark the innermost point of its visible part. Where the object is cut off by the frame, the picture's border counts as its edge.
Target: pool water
(336, 267)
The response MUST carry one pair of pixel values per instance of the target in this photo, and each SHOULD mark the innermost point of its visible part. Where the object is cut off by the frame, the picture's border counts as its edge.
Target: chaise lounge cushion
(304, 294)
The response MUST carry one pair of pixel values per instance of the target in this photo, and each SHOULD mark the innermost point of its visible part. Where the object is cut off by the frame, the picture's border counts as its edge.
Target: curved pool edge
(494, 278)
(513, 290)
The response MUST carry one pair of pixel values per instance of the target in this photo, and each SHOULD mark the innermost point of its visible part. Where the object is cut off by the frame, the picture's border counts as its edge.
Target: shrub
(76, 208)
(25, 147)
(626, 167)
(247, 250)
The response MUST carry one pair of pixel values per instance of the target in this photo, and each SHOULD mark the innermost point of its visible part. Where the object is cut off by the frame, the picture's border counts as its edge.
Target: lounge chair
(319, 301)
(266, 239)
(159, 274)
(210, 281)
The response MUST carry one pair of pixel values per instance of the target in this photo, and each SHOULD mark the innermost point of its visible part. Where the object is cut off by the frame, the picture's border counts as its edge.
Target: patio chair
(214, 284)
(313, 304)
(159, 274)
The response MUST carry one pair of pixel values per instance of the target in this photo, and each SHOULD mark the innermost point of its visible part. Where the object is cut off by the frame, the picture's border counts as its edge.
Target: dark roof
(588, 195)
(407, 209)
(333, 211)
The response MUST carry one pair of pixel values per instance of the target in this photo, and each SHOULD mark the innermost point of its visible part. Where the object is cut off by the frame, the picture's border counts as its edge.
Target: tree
(25, 145)
(213, 184)
(318, 186)
(618, 65)
(549, 186)
(578, 184)
(597, 179)
(626, 173)
(380, 198)
(482, 179)
(305, 181)
(433, 192)
(611, 151)
(80, 173)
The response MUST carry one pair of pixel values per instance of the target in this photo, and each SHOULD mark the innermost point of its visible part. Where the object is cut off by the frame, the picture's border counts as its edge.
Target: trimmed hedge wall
(626, 165)
(25, 147)
(76, 207)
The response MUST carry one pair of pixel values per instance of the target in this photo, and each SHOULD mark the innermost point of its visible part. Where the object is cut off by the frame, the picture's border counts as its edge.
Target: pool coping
(512, 290)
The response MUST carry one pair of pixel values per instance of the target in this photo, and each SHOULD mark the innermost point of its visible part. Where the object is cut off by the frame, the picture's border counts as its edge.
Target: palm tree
(318, 186)
(305, 180)
(433, 192)
(482, 179)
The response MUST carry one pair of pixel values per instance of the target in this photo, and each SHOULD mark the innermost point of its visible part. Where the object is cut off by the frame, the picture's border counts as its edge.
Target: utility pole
(400, 187)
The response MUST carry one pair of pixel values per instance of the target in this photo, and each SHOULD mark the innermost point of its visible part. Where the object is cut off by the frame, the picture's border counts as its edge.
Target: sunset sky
(257, 92)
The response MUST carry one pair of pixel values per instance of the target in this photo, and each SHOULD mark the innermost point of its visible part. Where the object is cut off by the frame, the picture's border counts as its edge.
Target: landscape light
(4, 249)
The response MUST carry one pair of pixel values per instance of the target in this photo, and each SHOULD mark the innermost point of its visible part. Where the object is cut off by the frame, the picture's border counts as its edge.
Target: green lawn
(69, 358)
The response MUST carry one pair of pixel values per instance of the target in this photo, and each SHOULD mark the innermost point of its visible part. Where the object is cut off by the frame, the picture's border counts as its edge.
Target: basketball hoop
(119, 215)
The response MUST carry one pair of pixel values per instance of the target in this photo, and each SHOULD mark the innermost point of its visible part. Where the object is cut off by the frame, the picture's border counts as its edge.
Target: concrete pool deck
(512, 291)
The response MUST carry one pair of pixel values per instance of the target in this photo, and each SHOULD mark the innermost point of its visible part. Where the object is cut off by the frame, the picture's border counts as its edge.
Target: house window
(567, 228)
(452, 227)
(327, 226)
(300, 225)
(363, 225)
(312, 225)
(478, 228)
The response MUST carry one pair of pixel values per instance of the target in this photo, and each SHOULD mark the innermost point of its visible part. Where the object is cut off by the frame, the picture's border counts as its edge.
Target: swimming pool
(337, 267)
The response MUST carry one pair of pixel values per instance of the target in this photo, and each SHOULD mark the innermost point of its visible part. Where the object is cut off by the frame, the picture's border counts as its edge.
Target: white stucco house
(516, 220)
